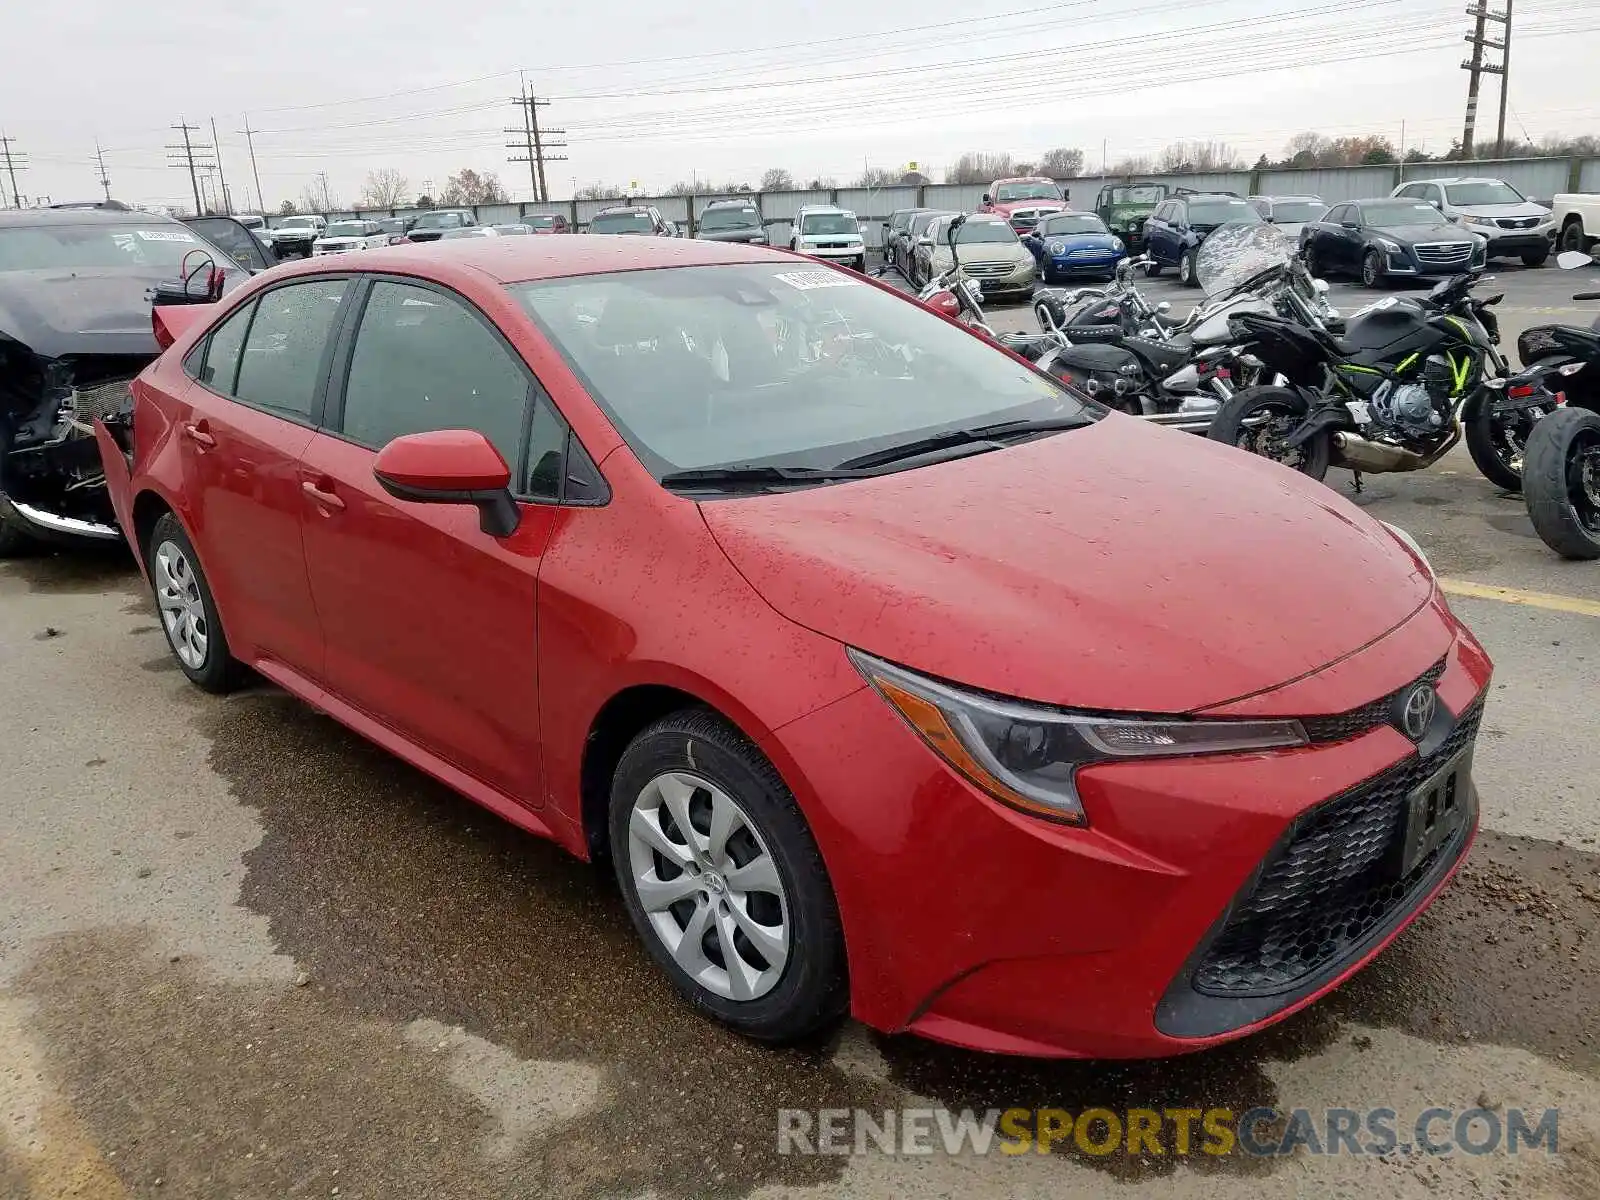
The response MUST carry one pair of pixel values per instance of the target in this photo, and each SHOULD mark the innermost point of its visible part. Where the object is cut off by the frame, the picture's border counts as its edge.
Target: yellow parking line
(1484, 591)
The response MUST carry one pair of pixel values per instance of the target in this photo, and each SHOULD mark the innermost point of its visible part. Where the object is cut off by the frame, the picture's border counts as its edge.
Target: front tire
(1187, 275)
(1279, 411)
(1372, 272)
(723, 880)
(188, 610)
(1535, 258)
(1152, 270)
(15, 541)
(1313, 261)
(1561, 482)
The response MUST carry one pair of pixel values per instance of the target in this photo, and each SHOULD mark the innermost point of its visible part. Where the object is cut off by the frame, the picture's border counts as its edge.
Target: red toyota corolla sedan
(889, 676)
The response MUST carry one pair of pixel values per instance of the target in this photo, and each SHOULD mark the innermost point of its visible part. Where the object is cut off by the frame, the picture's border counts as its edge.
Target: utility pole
(105, 180)
(1505, 84)
(14, 162)
(533, 145)
(251, 142)
(1478, 68)
(222, 176)
(193, 157)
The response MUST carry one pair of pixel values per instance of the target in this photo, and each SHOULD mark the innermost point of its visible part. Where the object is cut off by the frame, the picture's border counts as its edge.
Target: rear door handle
(323, 497)
(196, 433)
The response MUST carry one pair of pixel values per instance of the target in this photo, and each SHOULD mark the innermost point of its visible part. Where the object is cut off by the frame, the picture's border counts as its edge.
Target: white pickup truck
(1577, 217)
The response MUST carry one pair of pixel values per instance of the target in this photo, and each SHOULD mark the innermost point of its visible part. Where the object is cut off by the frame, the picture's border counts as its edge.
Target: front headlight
(1410, 543)
(1116, 244)
(1058, 247)
(1470, 219)
(1027, 756)
(1391, 247)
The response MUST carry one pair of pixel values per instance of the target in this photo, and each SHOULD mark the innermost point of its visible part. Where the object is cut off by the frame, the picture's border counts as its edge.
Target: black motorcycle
(1561, 476)
(1393, 392)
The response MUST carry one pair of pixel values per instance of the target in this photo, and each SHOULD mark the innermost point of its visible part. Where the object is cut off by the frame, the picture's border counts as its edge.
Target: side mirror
(924, 241)
(987, 199)
(451, 466)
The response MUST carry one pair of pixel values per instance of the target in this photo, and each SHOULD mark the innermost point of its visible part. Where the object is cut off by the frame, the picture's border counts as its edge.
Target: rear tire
(1187, 275)
(1572, 236)
(1492, 453)
(1284, 409)
(1561, 482)
(1314, 263)
(188, 610)
(755, 915)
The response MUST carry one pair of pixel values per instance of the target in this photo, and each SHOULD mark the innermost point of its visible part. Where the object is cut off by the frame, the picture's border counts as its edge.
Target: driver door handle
(196, 432)
(322, 496)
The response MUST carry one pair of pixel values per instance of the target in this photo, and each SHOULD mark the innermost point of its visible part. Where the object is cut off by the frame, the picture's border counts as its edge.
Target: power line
(1477, 68)
(533, 145)
(14, 163)
(189, 150)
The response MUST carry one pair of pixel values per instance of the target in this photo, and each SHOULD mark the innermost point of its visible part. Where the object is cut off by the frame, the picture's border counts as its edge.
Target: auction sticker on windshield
(163, 235)
(807, 281)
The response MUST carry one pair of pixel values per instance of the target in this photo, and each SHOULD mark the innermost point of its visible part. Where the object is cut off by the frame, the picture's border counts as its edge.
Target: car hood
(1082, 241)
(730, 235)
(1441, 232)
(107, 311)
(1010, 207)
(1116, 567)
(1524, 209)
(294, 231)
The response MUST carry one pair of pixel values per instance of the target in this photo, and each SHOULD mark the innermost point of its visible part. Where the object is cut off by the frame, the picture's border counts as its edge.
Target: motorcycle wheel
(1561, 482)
(1499, 446)
(1258, 420)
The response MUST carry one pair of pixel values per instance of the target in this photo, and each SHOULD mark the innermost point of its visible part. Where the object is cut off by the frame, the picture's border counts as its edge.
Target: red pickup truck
(1023, 201)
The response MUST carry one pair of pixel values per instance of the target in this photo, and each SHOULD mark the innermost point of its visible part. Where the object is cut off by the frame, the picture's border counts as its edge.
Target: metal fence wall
(1540, 178)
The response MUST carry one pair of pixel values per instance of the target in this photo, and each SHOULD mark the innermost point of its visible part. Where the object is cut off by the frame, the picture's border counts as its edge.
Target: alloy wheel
(1583, 480)
(709, 886)
(1265, 430)
(183, 611)
(1371, 274)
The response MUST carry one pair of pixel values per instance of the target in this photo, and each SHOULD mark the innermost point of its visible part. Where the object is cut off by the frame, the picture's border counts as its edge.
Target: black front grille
(1332, 882)
(1343, 726)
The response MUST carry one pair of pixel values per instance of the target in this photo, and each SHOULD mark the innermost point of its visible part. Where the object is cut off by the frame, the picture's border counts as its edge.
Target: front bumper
(1097, 263)
(1405, 263)
(1517, 242)
(835, 253)
(59, 530)
(972, 924)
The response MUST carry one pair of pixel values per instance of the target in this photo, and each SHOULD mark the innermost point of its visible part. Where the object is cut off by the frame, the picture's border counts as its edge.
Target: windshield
(763, 364)
(536, 222)
(1072, 223)
(920, 222)
(297, 223)
(975, 231)
(93, 247)
(1490, 191)
(730, 218)
(1240, 251)
(1144, 193)
(251, 222)
(1399, 213)
(1033, 189)
(470, 231)
(512, 230)
(440, 220)
(1299, 211)
(621, 222)
(392, 225)
(1220, 212)
(343, 229)
(829, 223)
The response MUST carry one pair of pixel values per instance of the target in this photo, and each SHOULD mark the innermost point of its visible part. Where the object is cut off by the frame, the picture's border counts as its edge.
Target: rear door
(430, 622)
(258, 395)
(1163, 241)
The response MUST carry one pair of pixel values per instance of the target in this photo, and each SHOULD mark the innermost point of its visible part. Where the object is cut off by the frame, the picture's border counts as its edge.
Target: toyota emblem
(1416, 714)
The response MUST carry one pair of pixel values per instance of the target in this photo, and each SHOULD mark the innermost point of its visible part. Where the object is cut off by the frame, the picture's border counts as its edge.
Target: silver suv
(1515, 226)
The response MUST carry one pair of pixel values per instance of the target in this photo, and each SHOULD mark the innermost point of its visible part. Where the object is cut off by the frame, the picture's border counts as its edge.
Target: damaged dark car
(76, 293)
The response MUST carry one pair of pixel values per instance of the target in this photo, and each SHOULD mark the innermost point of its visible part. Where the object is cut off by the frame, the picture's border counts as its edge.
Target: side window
(220, 365)
(278, 370)
(1411, 189)
(1262, 207)
(424, 361)
(1336, 214)
(547, 449)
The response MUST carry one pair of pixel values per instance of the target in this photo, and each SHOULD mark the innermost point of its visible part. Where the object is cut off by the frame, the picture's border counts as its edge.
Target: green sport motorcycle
(1394, 391)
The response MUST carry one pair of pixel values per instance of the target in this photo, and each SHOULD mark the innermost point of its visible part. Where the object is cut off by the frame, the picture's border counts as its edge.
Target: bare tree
(822, 183)
(979, 166)
(1061, 163)
(776, 179)
(1189, 158)
(877, 177)
(1139, 164)
(467, 186)
(318, 197)
(599, 191)
(287, 209)
(384, 188)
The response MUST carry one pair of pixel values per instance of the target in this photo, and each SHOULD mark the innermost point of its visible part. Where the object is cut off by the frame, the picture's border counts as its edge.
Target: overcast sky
(724, 89)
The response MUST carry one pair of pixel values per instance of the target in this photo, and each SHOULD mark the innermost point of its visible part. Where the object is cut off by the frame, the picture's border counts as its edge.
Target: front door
(250, 415)
(429, 622)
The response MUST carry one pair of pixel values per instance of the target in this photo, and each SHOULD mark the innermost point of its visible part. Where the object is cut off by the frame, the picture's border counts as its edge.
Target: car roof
(34, 217)
(1026, 179)
(624, 208)
(742, 203)
(522, 260)
(1275, 199)
(1207, 196)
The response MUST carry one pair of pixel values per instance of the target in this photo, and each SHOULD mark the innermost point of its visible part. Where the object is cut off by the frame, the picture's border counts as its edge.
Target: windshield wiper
(756, 476)
(962, 437)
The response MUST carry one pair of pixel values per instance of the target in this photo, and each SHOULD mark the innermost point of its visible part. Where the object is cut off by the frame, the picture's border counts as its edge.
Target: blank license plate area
(1436, 811)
